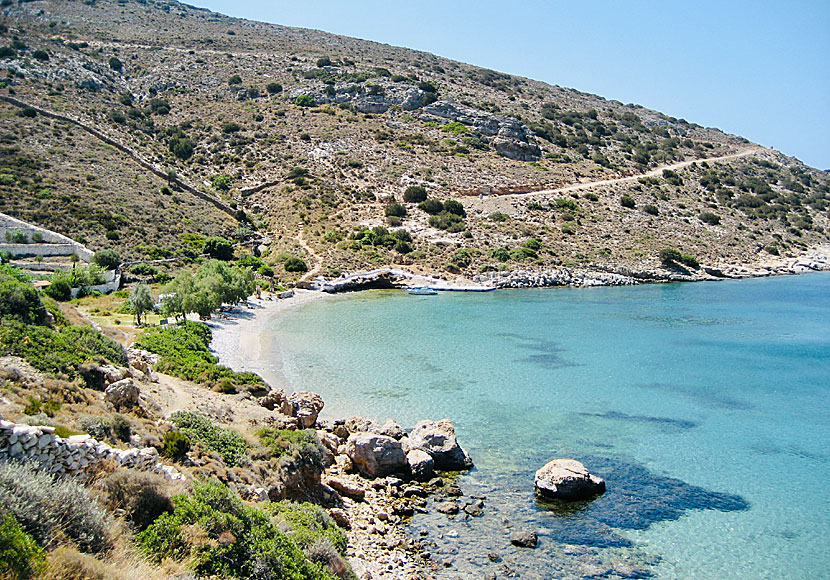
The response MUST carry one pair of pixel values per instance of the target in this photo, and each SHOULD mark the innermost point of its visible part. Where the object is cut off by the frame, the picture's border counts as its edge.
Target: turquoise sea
(705, 406)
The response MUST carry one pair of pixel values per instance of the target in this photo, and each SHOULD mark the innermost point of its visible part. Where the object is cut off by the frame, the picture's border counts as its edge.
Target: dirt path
(653, 173)
(318, 261)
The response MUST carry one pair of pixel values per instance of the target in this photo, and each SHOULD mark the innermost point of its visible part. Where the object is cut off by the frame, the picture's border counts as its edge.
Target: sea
(705, 407)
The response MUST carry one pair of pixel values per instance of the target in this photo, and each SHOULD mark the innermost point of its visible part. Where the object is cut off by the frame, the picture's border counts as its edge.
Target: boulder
(346, 487)
(361, 425)
(392, 429)
(421, 464)
(375, 455)
(123, 393)
(524, 538)
(275, 400)
(567, 479)
(306, 406)
(438, 439)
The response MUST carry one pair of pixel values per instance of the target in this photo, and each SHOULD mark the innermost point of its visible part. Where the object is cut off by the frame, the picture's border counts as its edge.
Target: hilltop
(144, 126)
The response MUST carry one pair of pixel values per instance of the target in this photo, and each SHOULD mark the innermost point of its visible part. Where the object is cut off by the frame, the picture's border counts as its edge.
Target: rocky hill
(143, 125)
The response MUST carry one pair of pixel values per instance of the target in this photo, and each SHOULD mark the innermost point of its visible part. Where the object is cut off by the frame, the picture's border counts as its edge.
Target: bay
(705, 406)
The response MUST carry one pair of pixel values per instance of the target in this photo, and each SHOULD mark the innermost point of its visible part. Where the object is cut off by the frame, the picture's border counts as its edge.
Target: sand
(239, 335)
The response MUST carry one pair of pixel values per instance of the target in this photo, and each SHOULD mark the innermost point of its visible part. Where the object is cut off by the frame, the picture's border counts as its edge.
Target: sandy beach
(238, 335)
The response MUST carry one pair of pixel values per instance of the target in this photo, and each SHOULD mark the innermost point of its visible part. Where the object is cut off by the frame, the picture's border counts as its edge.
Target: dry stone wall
(76, 455)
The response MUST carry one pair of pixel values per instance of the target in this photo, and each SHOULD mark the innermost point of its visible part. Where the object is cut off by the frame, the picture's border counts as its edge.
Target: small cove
(704, 406)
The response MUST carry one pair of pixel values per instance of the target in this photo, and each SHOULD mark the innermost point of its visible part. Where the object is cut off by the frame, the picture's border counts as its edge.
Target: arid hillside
(143, 125)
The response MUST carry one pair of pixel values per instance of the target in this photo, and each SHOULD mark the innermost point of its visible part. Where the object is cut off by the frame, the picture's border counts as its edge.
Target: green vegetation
(199, 429)
(140, 301)
(431, 206)
(651, 209)
(214, 283)
(219, 248)
(18, 299)
(455, 128)
(415, 194)
(498, 217)
(107, 259)
(115, 63)
(671, 256)
(294, 264)
(242, 543)
(305, 101)
(628, 201)
(710, 218)
(285, 442)
(395, 209)
(185, 354)
(176, 445)
(139, 495)
(310, 525)
(20, 556)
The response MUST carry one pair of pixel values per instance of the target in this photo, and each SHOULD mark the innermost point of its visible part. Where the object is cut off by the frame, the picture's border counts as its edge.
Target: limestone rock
(392, 429)
(275, 400)
(421, 464)
(567, 479)
(346, 487)
(438, 439)
(123, 393)
(306, 406)
(375, 455)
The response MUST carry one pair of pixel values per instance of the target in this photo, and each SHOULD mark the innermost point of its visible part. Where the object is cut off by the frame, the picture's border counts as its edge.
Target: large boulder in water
(438, 439)
(567, 479)
(376, 455)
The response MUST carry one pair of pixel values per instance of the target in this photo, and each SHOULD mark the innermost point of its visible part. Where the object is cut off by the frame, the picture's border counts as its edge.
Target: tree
(107, 259)
(141, 301)
(295, 265)
(415, 194)
(219, 248)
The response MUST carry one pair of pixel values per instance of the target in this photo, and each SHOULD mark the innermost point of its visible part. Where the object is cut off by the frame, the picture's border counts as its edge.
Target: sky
(758, 69)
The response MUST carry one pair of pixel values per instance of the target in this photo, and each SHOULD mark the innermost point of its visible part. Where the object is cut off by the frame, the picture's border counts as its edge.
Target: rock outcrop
(123, 393)
(305, 407)
(376, 455)
(567, 479)
(437, 438)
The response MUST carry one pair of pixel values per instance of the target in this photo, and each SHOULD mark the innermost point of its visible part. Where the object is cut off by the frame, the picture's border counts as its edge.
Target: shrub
(18, 299)
(415, 194)
(20, 556)
(455, 128)
(309, 523)
(235, 80)
(59, 290)
(591, 196)
(140, 496)
(231, 127)
(498, 217)
(295, 265)
(116, 428)
(628, 201)
(651, 209)
(305, 101)
(222, 537)
(199, 429)
(176, 445)
(445, 221)
(59, 352)
(395, 209)
(50, 509)
(107, 259)
(185, 354)
(181, 147)
(115, 63)
(772, 250)
(710, 218)
(273, 88)
(454, 207)
(669, 255)
(500, 254)
(221, 182)
(431, 206)
(323, 61)
(17, 237)
(219, 248)
(403, 247)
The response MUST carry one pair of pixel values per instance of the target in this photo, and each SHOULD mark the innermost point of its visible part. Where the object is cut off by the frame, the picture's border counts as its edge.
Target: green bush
(17, 237)
(176, 445)
(116, 428)
(59, 352)
(235, 80)
(651, 209)
(498, 217)
(219, 248)
(59, 290)
(415, 194)
(395, 209)
(567, 204)
(628, 201)
(295, 265)
(454, 207)
(107, 259)
(310, 526)
(305, 101)
(446, 221)
(221, 182)
(20, 556)
(431, 206)
(52, 509)
(185, 354)
(670, 256)
(199, 429)
(18, 299)
(273, 88)
(115, 63)
(243, 541)
(710, 218)
(181, 147)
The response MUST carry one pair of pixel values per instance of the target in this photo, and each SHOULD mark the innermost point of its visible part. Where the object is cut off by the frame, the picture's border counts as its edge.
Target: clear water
(706, 406)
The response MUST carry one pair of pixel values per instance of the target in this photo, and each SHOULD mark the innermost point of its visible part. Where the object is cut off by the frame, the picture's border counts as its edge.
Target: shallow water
(705, 407)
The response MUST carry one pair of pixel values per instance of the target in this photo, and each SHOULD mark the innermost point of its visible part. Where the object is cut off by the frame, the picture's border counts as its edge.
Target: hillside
(138, 124)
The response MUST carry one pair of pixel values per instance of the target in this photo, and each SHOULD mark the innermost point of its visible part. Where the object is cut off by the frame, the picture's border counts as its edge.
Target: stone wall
(75, 455)
(55, 244)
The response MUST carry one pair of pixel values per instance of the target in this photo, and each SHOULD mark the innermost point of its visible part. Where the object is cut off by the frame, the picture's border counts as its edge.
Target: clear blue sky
(758, 69)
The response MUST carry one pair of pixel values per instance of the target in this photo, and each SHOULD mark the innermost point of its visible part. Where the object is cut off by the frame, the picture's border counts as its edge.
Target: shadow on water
(701, 395)
(647, 419)
(545, 353)
(636, 499)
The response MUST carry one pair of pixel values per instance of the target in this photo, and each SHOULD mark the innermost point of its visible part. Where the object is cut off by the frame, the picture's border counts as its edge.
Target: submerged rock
(438, 439)
(376, 455)
(524, 538)
(567, 479)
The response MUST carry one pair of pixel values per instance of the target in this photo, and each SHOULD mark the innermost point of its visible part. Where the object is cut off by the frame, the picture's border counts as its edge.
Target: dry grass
(66, 563)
